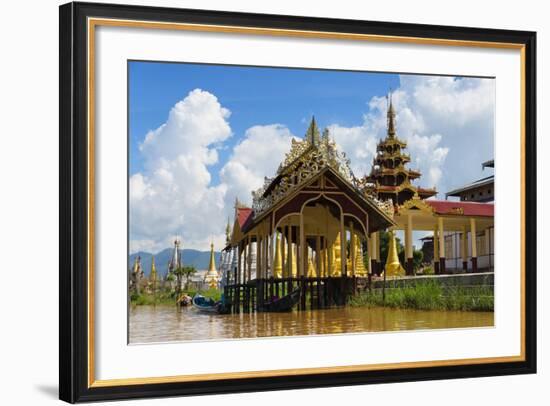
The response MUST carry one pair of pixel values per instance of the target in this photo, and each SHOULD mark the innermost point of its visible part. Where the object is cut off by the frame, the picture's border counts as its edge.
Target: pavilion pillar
(239, 265)
(373, 258)
(436, 251)
(464, 249)
(324, 250)
(441, 245)
(283, 251)
(343, 237)
(301, 247)
(408, 246)
(379, 269)
(258, 257)
(245, 260)
(369, 248)
(265, 255)
(318, 255)
(488, 247)
(330, 260)
(271, 253)
(352, 248)
(289, 254)
(473, 242)
(249, 275)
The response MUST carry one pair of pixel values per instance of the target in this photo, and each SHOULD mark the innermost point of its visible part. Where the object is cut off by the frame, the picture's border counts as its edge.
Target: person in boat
(184, 300)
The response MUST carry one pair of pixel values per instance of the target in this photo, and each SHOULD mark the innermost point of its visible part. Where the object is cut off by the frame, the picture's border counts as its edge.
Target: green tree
(184, 272)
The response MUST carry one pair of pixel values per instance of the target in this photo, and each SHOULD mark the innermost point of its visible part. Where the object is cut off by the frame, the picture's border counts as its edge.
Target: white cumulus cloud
(258, 155)
(443, 120)
(173, 194)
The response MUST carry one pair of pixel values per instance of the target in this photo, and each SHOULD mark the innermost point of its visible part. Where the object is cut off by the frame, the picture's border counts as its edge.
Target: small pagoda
(212, 278)
(389, 177)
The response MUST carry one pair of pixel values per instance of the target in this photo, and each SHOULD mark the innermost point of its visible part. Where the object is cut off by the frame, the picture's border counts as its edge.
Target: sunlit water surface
(168, 323)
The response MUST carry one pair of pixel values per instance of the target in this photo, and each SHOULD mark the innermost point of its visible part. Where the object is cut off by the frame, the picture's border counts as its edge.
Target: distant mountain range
(199, 259)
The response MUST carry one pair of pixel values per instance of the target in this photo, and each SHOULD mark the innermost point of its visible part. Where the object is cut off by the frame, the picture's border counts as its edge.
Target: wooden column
(270, 248)
(369, 251)
(330, 260)
(377, 267)
(436, 251)
(301, 247)
(352, 248)
(318, 255)
(441, 232)
(343, 256)
(487, 252)
(289, 255)
(473, 242)
(283, 252)
(464, 249)
(249, 274)
(258, 257)
(408, 246)
(239, 264)
(245, 260)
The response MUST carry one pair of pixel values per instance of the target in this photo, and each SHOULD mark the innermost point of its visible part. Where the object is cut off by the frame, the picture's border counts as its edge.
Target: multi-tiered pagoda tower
(389, 177)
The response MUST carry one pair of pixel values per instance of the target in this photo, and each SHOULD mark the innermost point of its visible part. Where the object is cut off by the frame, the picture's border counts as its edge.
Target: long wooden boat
(283, 304)
(207, 305)
(204, 304)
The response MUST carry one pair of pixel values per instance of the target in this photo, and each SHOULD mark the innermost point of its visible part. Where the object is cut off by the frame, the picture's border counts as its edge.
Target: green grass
(429, 296)
(169, 298)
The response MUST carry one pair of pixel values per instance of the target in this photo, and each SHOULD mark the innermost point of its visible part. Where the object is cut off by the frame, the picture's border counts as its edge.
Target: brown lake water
(168, 323)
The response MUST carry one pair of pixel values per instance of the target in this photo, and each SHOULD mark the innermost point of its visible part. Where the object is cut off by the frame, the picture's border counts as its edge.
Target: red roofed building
(463, 232)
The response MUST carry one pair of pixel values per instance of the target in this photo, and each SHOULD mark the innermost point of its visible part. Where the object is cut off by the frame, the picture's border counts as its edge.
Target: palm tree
(184, 272)
(188, 271)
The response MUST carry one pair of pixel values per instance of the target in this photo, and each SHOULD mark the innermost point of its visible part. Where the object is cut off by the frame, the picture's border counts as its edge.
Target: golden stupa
(336, 257)
(393, 266)
(212, 277)
(359, 265)
(311, 273)
(294, 265)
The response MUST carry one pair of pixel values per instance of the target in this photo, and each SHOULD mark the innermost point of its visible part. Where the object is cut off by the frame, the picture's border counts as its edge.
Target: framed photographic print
(257, 202)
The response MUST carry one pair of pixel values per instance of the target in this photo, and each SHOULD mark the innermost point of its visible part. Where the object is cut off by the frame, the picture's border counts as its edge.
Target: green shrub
(429, 295)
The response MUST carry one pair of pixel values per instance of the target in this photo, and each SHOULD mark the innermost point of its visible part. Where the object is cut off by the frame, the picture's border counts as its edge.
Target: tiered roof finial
(390, 178)
(312, 133)
(391, 117)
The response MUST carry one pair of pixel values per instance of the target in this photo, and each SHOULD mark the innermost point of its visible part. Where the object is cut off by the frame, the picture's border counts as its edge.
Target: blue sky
(253, 95)
(201, 135)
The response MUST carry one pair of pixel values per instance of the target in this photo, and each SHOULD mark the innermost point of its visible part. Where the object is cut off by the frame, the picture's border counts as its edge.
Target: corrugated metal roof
(480, 182)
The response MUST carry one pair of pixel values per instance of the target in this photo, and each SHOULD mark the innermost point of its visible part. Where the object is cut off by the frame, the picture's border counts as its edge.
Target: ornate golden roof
(306, 158)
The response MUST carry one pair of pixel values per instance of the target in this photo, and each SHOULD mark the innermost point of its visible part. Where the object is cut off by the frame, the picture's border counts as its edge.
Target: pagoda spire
(212, 264)
(391, 118)
(228, 232)
(153, 274)
(312, 134)
(212, 277)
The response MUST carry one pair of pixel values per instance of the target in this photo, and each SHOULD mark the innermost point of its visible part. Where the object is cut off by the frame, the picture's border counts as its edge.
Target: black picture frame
(73, 283)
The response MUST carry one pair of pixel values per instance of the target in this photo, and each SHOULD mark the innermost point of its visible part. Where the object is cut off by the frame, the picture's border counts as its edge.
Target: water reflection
(168, 323)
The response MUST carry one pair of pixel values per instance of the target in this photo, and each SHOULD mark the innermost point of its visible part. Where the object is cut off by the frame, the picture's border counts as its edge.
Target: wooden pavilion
(308, 228)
